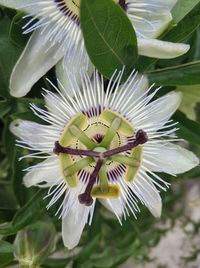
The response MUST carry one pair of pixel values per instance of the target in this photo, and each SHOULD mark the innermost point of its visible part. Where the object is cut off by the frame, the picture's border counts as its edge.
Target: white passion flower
(105, 143)
(57, 37)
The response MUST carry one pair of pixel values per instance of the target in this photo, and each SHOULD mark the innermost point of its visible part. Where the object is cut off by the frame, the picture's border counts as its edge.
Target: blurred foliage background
(29, 231)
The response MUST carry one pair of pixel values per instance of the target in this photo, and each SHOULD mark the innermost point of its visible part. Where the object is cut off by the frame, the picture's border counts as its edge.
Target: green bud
(34, 244)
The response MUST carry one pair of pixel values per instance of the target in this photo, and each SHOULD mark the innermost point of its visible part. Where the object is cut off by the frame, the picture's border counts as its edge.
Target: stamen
(141, 138)
(103, 179)
(111, 132)
(99, 154)
(86, 198)
(122, 159)
(74, 168)
(79, 134)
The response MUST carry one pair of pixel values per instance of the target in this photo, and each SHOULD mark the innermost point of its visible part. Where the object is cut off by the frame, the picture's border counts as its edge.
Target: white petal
(155, 202)
(35, 135)
(150, 195)
(75, 219)
(129, 94)
(59, 112)
(75, 65)
(136, 89)
(114, 205)
(164, 3)
(73, 225)
(150, 18)
(16, 4)
(47, 173)
(36, 59)
(149, 23)
(171, 3)
(144, 85)
(171, 159)
(159, 111)
(161, 49)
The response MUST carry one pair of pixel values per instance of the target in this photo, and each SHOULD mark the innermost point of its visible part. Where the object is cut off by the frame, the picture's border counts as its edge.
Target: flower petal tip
(27, 181)
(14, 126)
(156, 210)
(17, 90)
(187, 159)
(193, 160)
(161, 49)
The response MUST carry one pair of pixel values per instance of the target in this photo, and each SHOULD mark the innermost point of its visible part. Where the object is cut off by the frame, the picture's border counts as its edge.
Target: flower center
(81, 153)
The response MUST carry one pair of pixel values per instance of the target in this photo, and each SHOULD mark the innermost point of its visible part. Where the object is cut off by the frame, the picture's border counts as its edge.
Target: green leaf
(31, 211)
(6, 253)
(17, 178)
(87, 250)
(182, 8)
(185, 74)
(5, 107)
(16, 35)
(9, 54)
(195, 47)
(113, 258)
(109, 36)
(7, 199)
(58, 263)
(189, 130)
(26, 215)
(9, 142)
(185, 28)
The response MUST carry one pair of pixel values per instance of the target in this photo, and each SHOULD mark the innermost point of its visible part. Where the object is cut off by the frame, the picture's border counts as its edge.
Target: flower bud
(34, 243)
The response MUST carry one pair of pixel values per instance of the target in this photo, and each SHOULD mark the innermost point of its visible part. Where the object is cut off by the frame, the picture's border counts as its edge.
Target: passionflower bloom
(104, 143)
(57, 37)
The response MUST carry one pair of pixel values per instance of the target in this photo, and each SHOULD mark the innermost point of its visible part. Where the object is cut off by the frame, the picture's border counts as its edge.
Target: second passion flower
(104, 143)
(57, 37)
